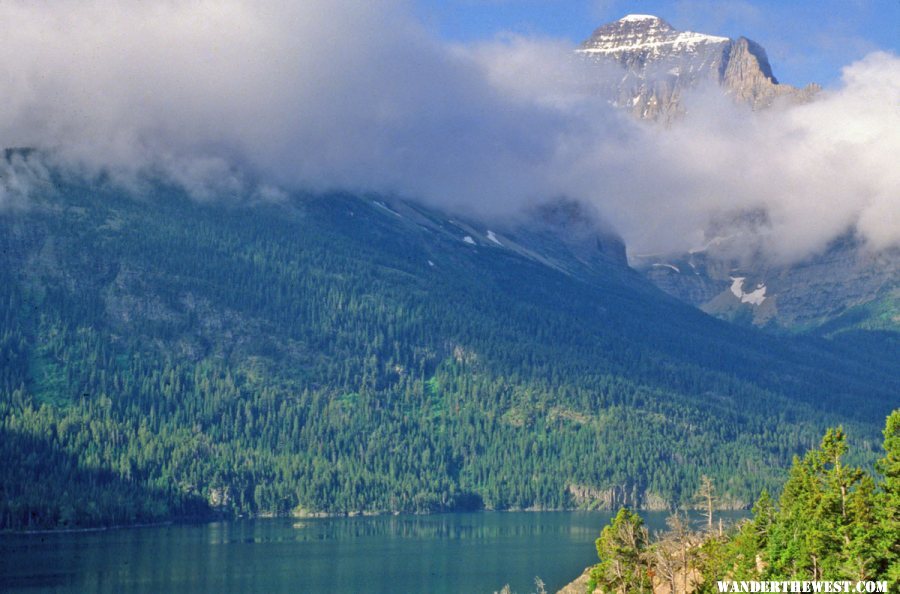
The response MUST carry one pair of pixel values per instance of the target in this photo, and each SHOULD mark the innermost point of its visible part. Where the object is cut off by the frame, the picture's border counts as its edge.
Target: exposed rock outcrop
(747, 76)
(580, 584)
(614, 497)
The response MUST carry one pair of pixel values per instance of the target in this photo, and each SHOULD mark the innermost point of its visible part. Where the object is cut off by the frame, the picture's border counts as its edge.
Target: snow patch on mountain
(387, 208)
(685, 40)
(755, 297)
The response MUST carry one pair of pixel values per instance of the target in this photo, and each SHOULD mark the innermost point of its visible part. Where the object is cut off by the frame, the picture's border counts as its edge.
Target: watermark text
(802, 586)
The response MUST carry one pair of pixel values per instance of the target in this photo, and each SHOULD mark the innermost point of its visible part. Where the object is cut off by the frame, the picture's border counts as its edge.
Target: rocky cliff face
(614, 497)
(845, 287)
(661, 63)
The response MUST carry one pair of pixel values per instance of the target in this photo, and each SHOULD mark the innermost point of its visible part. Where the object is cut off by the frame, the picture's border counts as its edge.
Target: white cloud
(229, 95)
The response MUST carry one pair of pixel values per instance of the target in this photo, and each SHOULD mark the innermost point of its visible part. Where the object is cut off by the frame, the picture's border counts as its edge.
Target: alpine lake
(448, 553)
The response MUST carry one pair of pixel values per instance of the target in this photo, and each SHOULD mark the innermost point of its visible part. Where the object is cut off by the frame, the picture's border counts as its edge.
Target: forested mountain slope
(339, 353)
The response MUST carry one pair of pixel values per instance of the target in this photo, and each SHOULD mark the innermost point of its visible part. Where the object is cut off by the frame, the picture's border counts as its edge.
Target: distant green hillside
(162, 357)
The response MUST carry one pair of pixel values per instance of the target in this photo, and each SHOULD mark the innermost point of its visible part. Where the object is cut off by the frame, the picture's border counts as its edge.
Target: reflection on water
(447, 526)
(476, 552)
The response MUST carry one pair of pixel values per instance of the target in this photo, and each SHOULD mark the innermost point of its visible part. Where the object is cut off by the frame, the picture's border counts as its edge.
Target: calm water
(467, 553)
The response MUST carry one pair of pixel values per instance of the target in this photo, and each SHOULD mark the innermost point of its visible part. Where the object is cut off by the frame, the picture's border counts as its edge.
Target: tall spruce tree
(825, 517)
(888, 541)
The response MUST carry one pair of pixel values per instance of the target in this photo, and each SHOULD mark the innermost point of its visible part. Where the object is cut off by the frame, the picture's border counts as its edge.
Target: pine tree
(621, 549)
(859, 558)
(888, 541)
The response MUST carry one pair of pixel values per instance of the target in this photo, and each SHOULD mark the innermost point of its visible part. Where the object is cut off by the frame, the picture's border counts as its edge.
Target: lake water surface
(458, 553)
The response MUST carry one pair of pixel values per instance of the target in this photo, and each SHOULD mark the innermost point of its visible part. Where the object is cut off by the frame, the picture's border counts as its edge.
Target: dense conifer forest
(164, 358)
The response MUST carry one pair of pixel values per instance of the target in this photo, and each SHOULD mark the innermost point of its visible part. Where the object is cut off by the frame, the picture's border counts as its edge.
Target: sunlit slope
(344, 353)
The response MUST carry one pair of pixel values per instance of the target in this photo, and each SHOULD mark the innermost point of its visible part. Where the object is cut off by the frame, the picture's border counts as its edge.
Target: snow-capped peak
(631, 18)
(644, 32)
(661, 62)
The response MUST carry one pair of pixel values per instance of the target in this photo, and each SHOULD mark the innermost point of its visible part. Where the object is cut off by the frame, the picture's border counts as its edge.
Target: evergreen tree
(888, 536)
(621, 548)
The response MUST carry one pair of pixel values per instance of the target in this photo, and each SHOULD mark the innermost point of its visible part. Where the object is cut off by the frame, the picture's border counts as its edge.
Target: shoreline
(312, 516)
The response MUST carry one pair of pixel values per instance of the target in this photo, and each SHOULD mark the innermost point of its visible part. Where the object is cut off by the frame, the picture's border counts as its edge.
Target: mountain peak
(660, 63)
(635, 18)
(643, 32)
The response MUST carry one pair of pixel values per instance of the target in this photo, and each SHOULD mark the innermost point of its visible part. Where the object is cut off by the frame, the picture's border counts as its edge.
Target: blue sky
(808, 41)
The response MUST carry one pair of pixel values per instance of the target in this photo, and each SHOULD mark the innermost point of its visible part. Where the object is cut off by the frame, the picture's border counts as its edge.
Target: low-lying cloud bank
(232, 96)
